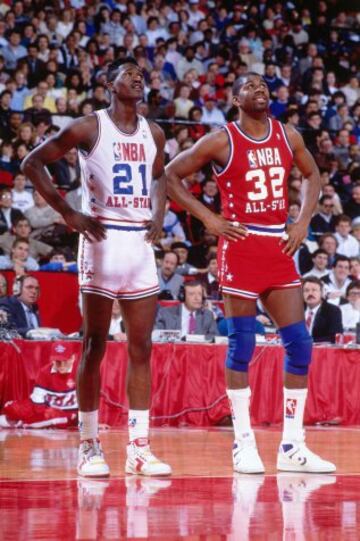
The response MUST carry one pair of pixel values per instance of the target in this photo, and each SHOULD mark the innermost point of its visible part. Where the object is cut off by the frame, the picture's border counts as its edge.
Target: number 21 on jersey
(124, 176)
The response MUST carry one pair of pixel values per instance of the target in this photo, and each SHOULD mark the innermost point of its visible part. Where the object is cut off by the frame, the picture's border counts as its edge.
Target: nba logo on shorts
(290, 408)
(251, 156)
(132, 422)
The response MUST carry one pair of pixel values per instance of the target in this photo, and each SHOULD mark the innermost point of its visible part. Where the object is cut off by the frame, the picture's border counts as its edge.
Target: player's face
(253, 96)
(129, 82)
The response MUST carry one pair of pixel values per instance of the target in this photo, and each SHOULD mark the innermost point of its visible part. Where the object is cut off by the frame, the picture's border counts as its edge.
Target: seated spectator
(211, 199)
(347, 244)
(329, 243)
(211, 114)
(22, 230)
(328, 189)
(3, 286)
(184, 268)
(21, 308)
(352, 208)
(19, 260)
(320, 260)
(189, 315)
(322, 319)
(172, 228)
(169, 281)
(351, 309)
(45, 221)
(117, 328)
(182, 102)
(67, 170)
(37, 112)
(210, 280)
(59, 263)
(53, 401)
(355, 268)
(337, 280)
(22, 198)
(8, 215)
(323, 221)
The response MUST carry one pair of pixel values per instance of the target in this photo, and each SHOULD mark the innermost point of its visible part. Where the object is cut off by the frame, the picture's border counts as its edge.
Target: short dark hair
(340, 258)
(312, 280)
(342, 218)
(319, 251)
(113, 68)
(179, 244)
(354, 284)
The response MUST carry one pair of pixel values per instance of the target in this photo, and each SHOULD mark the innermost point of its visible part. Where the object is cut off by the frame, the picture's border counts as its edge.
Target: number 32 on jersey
(260, 188)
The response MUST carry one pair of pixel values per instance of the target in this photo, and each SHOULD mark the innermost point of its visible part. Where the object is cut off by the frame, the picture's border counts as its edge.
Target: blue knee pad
(241, 332)
(298, 346)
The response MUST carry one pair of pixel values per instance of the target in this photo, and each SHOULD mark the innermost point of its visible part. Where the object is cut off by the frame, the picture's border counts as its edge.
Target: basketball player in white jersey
(123, 201)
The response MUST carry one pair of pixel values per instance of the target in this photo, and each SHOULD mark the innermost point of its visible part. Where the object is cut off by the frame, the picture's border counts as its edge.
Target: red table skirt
(188, 382)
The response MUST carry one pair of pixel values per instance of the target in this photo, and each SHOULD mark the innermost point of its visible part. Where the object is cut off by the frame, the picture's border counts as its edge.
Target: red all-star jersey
(54, 389)
(253, 184)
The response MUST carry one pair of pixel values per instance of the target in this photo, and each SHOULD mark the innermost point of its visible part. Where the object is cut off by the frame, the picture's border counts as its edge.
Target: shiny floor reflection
(196, 507)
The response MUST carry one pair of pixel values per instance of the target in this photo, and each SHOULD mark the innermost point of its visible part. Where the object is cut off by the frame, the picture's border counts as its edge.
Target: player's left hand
(295, 234)
(154, 230)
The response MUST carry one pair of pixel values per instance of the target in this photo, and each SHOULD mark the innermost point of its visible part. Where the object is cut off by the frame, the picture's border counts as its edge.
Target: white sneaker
(246, 458)
(295, 456)
(141, 461)
(91, 461)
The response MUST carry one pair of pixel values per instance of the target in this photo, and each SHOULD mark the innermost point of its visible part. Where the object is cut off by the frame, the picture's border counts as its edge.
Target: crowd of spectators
(53, 60)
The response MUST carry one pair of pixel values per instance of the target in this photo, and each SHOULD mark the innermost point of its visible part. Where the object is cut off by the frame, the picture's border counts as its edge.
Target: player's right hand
(90, 227)
(219, 226)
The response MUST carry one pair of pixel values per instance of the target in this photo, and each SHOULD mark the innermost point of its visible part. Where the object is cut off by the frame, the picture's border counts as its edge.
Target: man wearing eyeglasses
(8, 215)
(323, 221)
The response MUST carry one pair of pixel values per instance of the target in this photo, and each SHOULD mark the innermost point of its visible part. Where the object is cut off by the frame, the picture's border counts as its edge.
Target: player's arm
(78, 133)
(158, 186)
(210, 148)
(311, 181)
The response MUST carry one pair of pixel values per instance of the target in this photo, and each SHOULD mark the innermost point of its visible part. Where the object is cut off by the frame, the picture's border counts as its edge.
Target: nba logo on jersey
(290, 408)
(117, 151)
(251, 156)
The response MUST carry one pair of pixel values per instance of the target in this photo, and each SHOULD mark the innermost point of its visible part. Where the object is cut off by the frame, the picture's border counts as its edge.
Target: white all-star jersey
(117, 173)
(116, 179)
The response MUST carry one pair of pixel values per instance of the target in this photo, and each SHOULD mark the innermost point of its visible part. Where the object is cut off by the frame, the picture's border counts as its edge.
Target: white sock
(240, 408)
(138, 424)
(294, 406)
(88, 425)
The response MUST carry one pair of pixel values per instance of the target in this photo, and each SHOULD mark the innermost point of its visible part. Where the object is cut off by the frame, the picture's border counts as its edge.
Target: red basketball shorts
(249, 267)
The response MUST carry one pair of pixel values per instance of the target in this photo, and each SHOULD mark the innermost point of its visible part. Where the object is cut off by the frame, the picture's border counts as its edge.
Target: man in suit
(8, 215)
(189, 316)
(322, 318)
(21, 308)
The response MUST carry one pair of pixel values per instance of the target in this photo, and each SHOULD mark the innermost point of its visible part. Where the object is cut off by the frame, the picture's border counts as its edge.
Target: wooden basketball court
(41, 497)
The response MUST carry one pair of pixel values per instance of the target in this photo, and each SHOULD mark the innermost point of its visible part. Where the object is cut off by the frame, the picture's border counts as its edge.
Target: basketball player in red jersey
(123, 201)
(251, 160)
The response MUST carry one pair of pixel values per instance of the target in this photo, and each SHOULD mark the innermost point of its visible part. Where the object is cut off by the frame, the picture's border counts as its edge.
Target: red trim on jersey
(87, 156)
(118, 220)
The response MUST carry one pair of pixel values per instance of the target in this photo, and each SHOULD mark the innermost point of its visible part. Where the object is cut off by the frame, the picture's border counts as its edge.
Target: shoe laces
(145, 453)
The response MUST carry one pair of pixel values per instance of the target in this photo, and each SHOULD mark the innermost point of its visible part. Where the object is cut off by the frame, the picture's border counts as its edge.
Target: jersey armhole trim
(286, 139)
(219, 172)
(89, 154)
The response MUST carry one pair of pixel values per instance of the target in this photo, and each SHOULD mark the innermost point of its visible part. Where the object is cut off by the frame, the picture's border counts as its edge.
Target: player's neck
(124, 115)
(256, 126)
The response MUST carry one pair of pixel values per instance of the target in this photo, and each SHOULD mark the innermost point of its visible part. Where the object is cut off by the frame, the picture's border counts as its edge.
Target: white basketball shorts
(122, 266)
